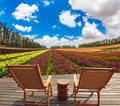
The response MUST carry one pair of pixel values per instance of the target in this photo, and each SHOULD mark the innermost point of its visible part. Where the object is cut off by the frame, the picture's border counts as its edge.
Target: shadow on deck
(11, 95)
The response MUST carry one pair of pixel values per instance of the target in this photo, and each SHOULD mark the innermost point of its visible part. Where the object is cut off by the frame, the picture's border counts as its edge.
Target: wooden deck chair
(91, 80)
(29, 78)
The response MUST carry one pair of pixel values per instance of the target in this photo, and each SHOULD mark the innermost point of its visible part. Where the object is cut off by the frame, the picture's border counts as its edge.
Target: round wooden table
(62, 87)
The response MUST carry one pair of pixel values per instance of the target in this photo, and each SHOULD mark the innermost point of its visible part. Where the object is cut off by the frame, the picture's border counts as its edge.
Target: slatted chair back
(27, 76)
(94, 78)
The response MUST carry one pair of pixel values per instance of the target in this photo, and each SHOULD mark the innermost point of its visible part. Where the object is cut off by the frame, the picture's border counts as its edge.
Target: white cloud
(54, 26)
(69, 37)
(85, 19)
(108, 11)
(31, 36)
(47, 3)
(25, 12)
(23, 28)
(47, 39)
(79, 23)
(79, 40)
(56, 35)
(64, 41)
(2, 12)
(96, 8)
(113, 21)
(91, 32)
(113, 32)
(36, 21)
(68, 19)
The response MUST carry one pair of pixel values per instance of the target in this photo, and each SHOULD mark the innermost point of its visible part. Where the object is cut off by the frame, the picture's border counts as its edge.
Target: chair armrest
(48, 80)
(75, 79)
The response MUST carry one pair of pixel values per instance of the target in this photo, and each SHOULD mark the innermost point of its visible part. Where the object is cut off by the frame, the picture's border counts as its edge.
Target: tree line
(14, 39)
(102, 43)
(64, 46)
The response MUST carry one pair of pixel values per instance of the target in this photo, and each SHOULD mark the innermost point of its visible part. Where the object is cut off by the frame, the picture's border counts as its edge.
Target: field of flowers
(69, 61)
(51, 62)
(61, 61)
(16, 59)
(93, 59)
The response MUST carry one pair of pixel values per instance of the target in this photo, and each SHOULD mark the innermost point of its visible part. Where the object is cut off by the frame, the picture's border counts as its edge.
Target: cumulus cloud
(96, 8)
(23, 28)
(68, 19)
(64, 41)
(91, 32)
(112, 21)
(108, 11)
(79, 40)
(47, 39)
(113, 32)
(25, 12)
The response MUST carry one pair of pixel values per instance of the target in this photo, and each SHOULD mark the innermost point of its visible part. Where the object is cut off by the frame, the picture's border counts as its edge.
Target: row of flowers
(93, 59)
(42, 60)
(108, 56)
(62, 65)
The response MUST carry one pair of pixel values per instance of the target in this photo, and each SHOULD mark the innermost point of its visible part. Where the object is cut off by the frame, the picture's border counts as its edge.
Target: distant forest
(14, 39)
(94, 44)
(102, 43)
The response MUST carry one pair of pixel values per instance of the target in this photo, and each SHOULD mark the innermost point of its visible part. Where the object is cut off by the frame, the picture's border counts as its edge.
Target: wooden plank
(11, 95)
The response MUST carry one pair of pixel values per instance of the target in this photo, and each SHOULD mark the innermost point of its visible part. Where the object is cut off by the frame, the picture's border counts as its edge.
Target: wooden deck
(11, 95)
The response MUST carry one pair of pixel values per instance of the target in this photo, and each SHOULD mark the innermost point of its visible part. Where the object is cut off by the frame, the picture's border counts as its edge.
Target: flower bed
(93, 59)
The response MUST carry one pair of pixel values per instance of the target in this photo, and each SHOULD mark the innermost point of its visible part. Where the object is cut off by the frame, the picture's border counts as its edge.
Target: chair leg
(24, 98)
(33, 92)
(48, 96)
(98, 98)
(51, 90)
(74, 98)
(91, 93)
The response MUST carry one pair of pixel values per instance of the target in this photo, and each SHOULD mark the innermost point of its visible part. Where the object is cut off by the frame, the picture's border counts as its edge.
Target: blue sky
(62, 22)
